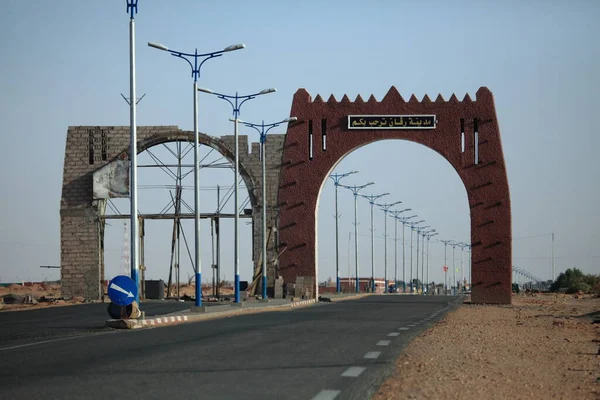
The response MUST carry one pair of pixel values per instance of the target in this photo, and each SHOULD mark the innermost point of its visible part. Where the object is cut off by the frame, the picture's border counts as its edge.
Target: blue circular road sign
(122, 290)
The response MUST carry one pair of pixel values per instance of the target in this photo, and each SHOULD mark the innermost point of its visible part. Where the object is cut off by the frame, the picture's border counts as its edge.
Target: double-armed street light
(336, 181)
(236, 104)
(396, 215)
(386, 208)
(371, 198)
(424, 233)
(429, 236)
(355, 189)
(419, 231)
(404, 220)
(446, 243)
(263, 129)
(195, 57)
(412, 225)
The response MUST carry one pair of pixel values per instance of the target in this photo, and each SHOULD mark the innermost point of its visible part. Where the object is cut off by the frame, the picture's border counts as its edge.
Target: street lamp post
(454, 244)
(429, 236)
(236, 104)
(336, 181)
(446, 243)
(424, 233)
(133, 214)
(404, 221)
(195, 74)
(372, 198)
(462, 270)
(396, 216)
(412, 229)
(419, 233)
(356, 192)
(260, 128)
(386, 209)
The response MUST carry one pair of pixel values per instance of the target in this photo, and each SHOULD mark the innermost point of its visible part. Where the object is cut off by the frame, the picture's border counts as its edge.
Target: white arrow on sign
(120, 289)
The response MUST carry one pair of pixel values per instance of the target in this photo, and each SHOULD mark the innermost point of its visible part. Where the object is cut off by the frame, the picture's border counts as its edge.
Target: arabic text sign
(122, 290)
(391, 121)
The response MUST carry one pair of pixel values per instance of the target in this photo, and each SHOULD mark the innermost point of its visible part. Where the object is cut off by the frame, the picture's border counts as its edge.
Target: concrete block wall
(88, 148)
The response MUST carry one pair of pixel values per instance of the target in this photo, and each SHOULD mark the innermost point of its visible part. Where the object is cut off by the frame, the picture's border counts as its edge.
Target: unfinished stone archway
(325, 133)
(92, 148)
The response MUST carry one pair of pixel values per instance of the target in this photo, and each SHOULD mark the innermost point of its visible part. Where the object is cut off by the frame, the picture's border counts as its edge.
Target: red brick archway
(321, 138)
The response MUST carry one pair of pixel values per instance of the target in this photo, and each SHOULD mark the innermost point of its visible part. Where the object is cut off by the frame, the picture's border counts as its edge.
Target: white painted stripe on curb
(172, 319)
(372, 355)
(384, 343)
(179, 318)
(353, 372)
(185, 318)
(327, 394)
(393, 333)
(403, 328)
(158, 320)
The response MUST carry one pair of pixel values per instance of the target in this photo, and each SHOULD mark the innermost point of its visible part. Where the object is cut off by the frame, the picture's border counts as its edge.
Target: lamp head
(234, 47)
(290, 119)
(158, 46)
(266, 91)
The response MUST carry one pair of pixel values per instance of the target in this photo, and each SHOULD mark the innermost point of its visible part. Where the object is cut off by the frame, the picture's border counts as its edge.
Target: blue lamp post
(133, 215)
(236, 104)
(336, 181)
(195, 74)
(260, 128)
(356, 192)
(372, 199)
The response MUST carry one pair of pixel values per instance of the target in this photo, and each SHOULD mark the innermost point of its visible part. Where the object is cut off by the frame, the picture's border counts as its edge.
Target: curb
(170, 320)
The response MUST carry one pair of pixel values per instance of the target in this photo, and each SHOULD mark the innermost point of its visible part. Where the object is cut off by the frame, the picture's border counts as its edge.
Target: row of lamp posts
(422, 233)
(195, 61)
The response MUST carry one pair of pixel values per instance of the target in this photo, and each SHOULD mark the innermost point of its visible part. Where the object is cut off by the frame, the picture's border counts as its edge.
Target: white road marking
(372, 355)
(403, 328)
(393, 333)
(327, 395)
(353, 372)
(49, 341)
(412, 325)
(384, 343)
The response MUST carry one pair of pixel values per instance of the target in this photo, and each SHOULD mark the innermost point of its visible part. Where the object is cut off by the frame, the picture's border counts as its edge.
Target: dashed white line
(372, 355)
(327, 395)
(403, 328)
(384, 343)
(353, 372)
(393, 333)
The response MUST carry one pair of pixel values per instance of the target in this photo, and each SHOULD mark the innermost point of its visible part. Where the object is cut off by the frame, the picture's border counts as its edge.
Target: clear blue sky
(66, 62)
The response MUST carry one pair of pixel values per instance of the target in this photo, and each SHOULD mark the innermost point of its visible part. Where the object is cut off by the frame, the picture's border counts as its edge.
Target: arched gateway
(96, 167)
(327, 131)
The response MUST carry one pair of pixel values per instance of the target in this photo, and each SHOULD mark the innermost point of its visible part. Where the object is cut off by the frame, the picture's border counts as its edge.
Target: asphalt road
(20, 327)
(303, 354)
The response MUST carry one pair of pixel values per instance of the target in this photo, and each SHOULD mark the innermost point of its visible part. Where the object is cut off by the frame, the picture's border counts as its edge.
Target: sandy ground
(534, 349)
